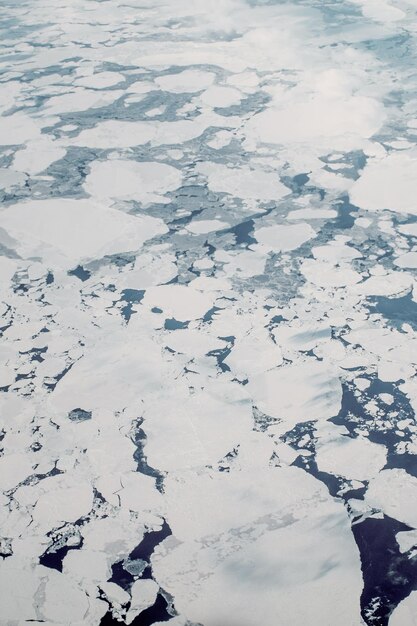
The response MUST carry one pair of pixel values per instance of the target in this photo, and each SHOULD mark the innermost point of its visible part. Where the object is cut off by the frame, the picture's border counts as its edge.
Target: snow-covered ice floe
(208, 363)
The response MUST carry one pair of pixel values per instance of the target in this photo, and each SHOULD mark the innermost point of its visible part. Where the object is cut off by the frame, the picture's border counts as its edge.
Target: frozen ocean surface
(208, 255)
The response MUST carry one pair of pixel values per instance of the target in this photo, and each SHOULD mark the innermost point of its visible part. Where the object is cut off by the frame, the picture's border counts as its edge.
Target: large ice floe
(208, 364)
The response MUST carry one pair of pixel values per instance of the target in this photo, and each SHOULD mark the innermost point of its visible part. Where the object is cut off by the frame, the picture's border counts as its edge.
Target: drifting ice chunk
(144, 182)
(390, 183)
(67, 232)
(298, 393)
(283, 238)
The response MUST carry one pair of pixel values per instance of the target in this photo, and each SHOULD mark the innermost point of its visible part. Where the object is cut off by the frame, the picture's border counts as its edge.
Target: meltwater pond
(208, 364)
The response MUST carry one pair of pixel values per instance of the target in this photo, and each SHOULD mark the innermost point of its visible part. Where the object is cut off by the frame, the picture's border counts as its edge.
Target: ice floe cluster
(208, 375)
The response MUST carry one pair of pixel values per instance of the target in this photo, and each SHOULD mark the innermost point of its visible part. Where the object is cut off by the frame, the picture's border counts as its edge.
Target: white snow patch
(186, 431)
(201, 227)
(244, 359)
(380, 10)
(394, 491)
(218, 96)
(312, 214)
(65, 231)
(17, 129)
(388, 183)
(63, 502)
(13, 469)
(243, 182)
(298, 392)
(406, 539)
(245, 264)
(144, 182)
(302, 336)
(122, 134)
(358, 459)
(178, 301)
(37, 155)
(320, 119)
(248, 541)
(100, 80)
(324, 274)
(408, 229)
(80, 100)
(188, 81)
(405, 614)
(143, 593)
(391, 284)
(284, 237)
(407, 260)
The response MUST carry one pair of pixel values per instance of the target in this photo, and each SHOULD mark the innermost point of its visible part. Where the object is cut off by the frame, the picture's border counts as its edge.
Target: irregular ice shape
(408, 260)
(63, 596)
(302, 337)
(335, 252)
(9, 91)
(114, 134)
(63, 503)
(100, 80)
(320, 119)
(13, 469)
(394, 491)
(312, 214)
(358, 458)
(185, 431)
(391, 371)
(17, 129)
(406, 540)
(178, 301)
(256, 539)
(9, 178)
(7, 374)
(244, 357)
(391, 284)
(66, 232)
(138, 492)
(246, 495)
(381, 11)
(243, 264)
(148, 271)
(121, 134)
(409, 229)
(298, 392)
(243, 182)
(405, 614)
(323, 274)
(201, 227)
(388, 183)
(111, 369)
(129, 180)
(115, 594)
(285, 237)
(37, 155)
(143, 594)
(141, 87)
(331, 266)
(193, 343)
(87, 565)
(209, 283)
(388, 344)
(80, 100)
(18, 585)
(188, 81)
(218, 96)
